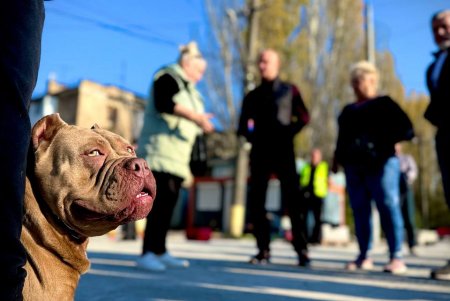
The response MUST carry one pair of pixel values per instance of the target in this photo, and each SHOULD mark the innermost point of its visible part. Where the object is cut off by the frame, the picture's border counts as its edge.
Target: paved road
(219, 271)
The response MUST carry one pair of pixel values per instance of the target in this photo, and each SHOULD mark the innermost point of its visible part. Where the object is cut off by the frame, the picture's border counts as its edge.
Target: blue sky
(124, 42)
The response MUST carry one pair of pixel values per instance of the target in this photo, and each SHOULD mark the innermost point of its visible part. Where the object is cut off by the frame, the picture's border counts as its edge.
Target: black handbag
(199, 157)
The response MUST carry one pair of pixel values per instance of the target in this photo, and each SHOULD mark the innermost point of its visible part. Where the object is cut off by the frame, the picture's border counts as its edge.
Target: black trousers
(407, 206)
(443, 150)
(314, 204)
(158, 220)
(262, 167)
(21, 23)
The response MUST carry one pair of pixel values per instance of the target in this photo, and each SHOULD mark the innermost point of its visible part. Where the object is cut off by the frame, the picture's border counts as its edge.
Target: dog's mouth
(138, 208)
(134, 208)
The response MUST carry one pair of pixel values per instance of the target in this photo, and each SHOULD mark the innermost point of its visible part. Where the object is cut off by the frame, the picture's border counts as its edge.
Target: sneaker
(364, 264)
(442, 273)
(396, 267)
(263, 257)
(150, 262)
(172, 262)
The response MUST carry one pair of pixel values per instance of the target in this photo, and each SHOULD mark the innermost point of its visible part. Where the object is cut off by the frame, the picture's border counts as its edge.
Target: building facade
(91, 103)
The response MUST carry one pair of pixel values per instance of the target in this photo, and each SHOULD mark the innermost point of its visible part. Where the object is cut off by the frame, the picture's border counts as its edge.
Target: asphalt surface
(219, 271)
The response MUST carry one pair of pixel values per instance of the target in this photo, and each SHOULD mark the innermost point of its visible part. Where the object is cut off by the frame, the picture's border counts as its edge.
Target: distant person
(173, 118)
(21, 24)
(437, 113)
(408, 174)
(368, 130)
(272, 114)
(314, 188)
(129, 231)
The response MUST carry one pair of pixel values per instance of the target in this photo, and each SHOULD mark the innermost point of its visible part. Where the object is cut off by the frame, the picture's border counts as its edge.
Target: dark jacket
(369, 130)
(438, 109)
(271, 115)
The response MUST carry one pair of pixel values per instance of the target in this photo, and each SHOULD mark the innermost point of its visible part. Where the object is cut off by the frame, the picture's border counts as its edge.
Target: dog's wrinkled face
(90, 178)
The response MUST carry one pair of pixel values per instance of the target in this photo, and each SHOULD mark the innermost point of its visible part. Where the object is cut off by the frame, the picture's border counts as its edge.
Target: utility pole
(370, 33)
(237, 214)
(370, 56)
(252, 40)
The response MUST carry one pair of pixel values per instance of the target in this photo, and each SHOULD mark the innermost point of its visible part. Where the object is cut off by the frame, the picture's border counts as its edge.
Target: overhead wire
(114, 27)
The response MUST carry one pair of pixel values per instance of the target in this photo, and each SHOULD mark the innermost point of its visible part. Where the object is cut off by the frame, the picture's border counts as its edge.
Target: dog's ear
(46, 128)
(95, 127)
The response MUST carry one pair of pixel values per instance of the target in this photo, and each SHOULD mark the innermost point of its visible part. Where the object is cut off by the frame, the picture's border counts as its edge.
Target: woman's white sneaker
(172, 262)
(150, 262)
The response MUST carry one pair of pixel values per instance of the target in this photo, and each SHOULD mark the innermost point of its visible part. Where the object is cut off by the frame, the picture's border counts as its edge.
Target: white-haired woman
(369, 128)
(173, 118)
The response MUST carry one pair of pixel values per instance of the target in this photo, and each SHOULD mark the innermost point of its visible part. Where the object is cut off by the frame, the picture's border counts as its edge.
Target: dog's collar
(73, 234)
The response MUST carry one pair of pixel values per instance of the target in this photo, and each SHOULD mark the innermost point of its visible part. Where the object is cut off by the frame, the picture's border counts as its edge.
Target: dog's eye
(130, 150)
(94, 153)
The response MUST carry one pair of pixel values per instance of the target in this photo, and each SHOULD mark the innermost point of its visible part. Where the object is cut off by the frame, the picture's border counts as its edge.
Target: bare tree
(226, 56)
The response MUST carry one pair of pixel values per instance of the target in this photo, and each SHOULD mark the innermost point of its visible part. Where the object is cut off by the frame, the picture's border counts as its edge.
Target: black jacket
(438, 110)
(369, 130)
(271, 115)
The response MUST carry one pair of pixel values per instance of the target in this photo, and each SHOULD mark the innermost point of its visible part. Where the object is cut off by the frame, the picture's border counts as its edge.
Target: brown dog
(81, 183)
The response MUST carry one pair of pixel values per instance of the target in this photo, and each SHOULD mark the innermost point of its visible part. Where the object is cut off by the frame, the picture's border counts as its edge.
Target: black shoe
(262, 257)
(442, 273)
(304, 261)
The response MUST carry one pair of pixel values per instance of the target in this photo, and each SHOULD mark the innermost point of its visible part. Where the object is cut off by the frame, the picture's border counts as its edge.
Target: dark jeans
(314, 205)
(21, 23)
(383, 187)
(443, 151)
(158, 220)
(408, 210)
(261, 170)
(129, 231)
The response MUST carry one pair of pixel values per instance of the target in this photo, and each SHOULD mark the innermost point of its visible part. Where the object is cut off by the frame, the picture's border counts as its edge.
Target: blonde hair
(362, 68)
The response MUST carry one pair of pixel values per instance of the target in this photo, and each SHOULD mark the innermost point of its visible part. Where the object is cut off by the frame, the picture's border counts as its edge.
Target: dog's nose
(137, 165)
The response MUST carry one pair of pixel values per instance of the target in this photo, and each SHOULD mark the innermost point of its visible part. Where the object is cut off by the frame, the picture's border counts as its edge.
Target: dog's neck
(48, 243)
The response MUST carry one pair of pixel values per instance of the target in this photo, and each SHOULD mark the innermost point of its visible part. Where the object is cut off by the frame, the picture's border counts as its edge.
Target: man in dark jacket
(438, 80)
(272, 114)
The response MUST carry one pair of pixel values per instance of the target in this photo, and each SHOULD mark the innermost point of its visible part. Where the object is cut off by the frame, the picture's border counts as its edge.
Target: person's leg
(408, 211)
(307, 204)
(158, 220)
(256, 207)
(442, 151)
(386, 193)
(360, 201)
(129, 231)
(316, 236)
(290, 193)
(21, 25)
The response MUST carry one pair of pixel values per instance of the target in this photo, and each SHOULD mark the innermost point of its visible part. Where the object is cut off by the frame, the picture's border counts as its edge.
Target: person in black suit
(272, 114)
(438, 81)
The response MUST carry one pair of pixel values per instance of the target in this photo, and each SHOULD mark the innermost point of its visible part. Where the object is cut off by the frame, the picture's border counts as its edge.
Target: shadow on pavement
(114, 276)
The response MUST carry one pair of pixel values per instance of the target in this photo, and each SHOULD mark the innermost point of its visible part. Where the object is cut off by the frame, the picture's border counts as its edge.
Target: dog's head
(89, 178)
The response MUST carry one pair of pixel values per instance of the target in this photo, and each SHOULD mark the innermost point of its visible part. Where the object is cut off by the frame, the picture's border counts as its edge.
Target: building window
(112, 119)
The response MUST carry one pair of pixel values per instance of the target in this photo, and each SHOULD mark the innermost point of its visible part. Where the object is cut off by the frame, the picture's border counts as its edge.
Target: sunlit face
(194, 69)
(441, 31)
(269, 65)
(316, 156)
(365, 86)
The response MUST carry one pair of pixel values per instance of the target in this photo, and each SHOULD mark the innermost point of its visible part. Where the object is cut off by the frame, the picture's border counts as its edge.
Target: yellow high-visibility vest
(320, 181)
